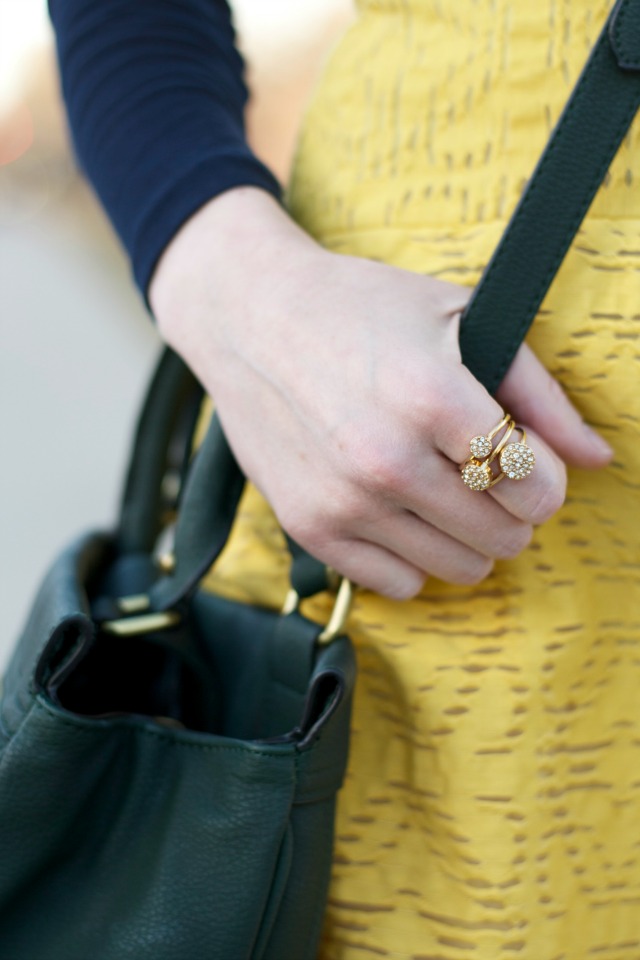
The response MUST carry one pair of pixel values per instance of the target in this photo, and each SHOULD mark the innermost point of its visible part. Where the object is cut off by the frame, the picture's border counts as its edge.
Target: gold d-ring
(339, 613)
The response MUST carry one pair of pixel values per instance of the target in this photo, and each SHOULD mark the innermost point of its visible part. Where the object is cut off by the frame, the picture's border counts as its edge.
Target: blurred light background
(77, 345)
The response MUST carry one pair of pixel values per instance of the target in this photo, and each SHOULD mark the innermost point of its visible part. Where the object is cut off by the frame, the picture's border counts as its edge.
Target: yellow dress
(492, 804)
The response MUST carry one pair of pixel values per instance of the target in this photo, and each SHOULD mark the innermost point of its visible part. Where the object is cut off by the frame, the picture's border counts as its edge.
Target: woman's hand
(340, 387)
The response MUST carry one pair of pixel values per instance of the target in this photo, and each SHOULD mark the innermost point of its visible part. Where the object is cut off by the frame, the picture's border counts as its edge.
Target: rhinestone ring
(515, 460)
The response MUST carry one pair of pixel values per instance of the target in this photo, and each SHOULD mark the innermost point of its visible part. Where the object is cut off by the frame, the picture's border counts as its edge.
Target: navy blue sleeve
(155, 97)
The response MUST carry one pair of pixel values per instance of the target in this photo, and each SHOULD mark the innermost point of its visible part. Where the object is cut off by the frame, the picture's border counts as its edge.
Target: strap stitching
(618, 39)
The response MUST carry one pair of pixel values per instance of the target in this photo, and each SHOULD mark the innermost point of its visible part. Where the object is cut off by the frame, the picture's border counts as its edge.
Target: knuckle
(431, 404)
(307, 527)
(318, 523)
(381, 470)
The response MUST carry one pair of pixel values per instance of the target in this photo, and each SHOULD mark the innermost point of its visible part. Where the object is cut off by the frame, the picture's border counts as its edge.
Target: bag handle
(161, 449)
(554, 204)
(207, 510)
(209, 488)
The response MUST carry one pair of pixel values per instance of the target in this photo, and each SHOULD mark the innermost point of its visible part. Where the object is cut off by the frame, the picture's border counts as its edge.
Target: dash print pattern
(492, 805)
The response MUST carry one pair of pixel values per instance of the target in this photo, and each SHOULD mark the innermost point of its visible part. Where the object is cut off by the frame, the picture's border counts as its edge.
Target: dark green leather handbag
(170, 759)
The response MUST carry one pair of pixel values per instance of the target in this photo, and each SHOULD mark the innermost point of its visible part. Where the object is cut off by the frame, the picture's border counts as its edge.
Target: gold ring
(516, 460)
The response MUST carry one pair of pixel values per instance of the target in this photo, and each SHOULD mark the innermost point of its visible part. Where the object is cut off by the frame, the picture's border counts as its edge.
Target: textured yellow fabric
(492, 803)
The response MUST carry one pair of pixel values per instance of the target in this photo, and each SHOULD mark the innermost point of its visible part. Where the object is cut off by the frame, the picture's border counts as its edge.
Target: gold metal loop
(145, 623)
(136, 620)
(166, 562)
(136, 603)
(339, 614)
(291, 602)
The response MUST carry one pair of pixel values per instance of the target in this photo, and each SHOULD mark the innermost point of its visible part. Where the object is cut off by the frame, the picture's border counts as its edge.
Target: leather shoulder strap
(564, 183)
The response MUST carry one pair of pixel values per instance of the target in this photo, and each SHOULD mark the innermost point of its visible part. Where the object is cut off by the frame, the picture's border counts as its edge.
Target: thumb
(534, 398)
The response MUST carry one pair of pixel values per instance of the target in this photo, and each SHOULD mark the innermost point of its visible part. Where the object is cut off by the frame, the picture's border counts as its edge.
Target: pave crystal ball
(517, 460)
(476, 475)
(480, 447)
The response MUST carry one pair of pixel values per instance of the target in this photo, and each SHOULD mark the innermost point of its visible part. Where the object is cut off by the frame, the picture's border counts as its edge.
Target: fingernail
(599, 443)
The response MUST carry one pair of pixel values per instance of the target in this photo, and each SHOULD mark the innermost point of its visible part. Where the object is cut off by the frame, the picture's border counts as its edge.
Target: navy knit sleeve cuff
(155, 97)
(176, 200)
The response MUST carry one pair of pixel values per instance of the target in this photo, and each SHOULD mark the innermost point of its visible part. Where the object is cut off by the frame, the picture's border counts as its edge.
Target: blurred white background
(77, 345)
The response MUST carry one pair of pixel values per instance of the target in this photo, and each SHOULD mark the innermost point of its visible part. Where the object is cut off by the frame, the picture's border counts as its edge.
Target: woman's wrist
(220, 253)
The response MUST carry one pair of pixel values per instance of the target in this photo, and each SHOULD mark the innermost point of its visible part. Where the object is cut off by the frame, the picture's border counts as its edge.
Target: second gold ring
(515, 461)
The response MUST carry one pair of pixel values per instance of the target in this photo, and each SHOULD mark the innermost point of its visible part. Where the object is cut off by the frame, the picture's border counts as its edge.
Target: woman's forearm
(155, 97)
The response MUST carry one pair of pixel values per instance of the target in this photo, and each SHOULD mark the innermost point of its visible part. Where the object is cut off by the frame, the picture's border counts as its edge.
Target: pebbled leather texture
(170, 794)
(123, 838)
(587, 136)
